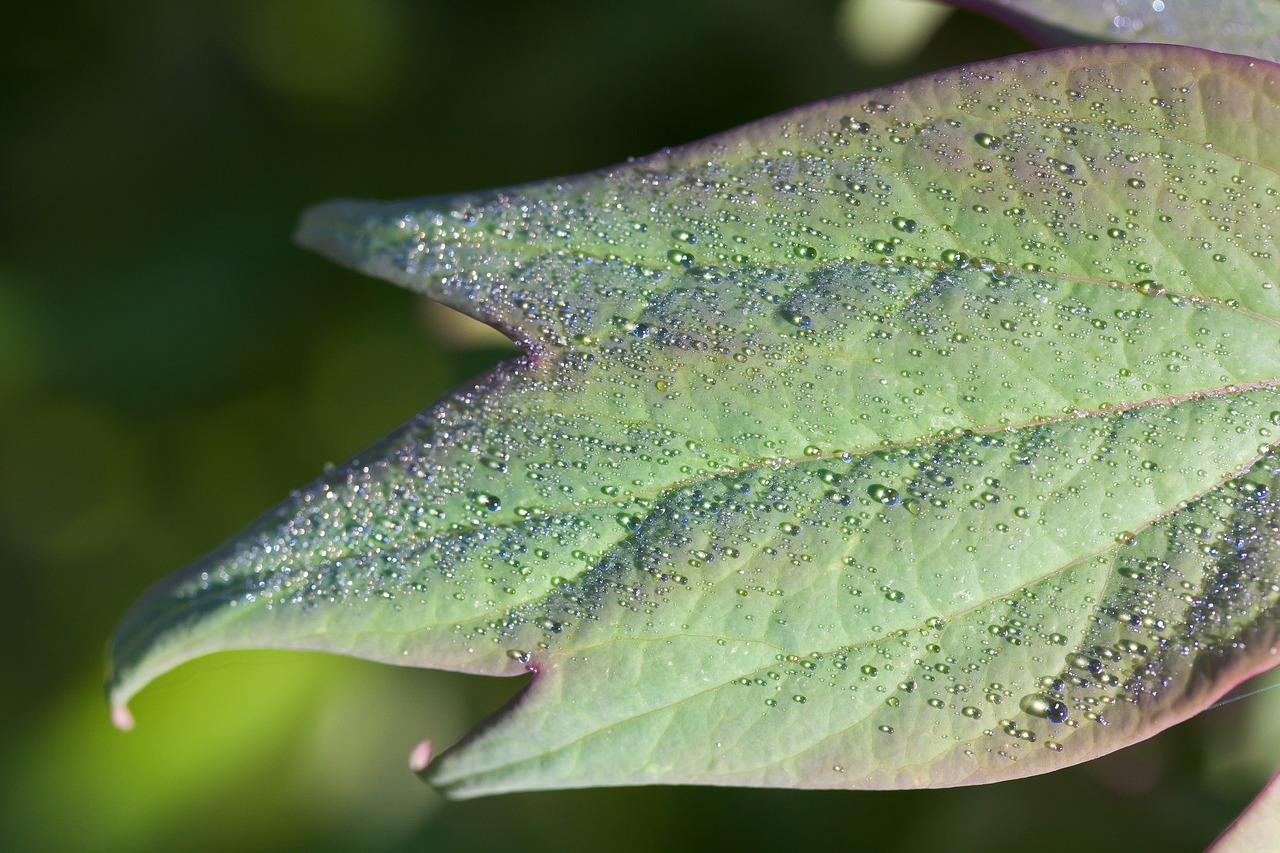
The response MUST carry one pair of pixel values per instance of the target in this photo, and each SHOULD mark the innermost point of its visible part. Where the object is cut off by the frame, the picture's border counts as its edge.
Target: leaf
(919, 437)
(1258, 827)
(1249, 27)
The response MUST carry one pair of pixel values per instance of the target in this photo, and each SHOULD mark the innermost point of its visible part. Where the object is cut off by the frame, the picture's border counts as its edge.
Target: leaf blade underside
(919, 437)
(1246, 27)
(1258, 827)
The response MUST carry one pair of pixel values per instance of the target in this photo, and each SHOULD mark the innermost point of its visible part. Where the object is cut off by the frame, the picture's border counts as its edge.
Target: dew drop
(683, 259)
(1045, 707)
(986, 140)
(882, 494)
(795, 318)
(489, 502)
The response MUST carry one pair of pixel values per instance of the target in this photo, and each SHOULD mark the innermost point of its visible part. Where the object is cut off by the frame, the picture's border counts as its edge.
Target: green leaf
(1249, 27)
(919, 437)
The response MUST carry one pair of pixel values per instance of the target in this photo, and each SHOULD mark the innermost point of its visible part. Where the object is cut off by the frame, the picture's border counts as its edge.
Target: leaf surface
(1249, 27)
(920, 437)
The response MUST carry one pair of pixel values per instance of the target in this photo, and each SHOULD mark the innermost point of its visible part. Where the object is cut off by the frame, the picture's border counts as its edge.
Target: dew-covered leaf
(1249, 27)
(919, 437)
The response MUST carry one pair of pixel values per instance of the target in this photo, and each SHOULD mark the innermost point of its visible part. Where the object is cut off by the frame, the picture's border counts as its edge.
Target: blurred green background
(170, 366)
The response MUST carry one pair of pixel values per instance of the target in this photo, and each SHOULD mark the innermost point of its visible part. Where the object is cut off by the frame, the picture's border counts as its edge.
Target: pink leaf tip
(121, 718)
(420, 758)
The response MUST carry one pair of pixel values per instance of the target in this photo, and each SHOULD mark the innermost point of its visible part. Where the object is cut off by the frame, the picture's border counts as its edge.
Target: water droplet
(795, 318)
(489, 502)
(882, 494)
(907, 226)
(986, 140)
(1252, 490)
(683, 259)
(1046, 707)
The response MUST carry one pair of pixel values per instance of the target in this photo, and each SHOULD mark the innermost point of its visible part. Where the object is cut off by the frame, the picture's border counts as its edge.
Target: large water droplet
(882, 494)
(489, 502)
(987, 140)
(1045, 707)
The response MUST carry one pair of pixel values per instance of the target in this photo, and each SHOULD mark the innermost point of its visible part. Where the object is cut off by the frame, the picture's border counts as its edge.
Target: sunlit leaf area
(171, 365)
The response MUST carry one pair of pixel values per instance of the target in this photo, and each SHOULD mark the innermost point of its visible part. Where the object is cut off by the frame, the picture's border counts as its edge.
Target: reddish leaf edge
(1244, 834)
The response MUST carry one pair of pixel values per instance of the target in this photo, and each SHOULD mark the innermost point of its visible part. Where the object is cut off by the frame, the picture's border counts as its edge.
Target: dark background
(171, 366)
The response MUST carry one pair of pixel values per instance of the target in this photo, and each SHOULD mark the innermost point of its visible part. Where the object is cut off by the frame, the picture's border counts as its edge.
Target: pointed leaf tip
(342, 230)
(420, 758)
(428, 245)
(121, 718)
